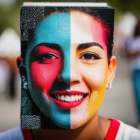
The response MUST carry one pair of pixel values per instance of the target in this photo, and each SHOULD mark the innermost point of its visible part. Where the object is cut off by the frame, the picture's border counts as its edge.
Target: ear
(21, 67)
(112, 69)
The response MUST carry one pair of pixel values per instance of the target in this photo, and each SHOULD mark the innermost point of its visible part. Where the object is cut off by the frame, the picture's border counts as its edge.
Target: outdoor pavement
(119, 102)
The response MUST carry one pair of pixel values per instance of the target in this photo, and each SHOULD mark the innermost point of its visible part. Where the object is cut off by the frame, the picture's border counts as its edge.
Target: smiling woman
(67, 67)
(67, 62)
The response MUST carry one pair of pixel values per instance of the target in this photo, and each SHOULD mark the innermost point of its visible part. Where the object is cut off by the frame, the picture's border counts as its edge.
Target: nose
(75, 76)
(71, 73)
(65, 75)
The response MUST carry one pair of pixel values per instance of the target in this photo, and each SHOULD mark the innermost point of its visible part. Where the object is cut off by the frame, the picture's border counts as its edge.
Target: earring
(24, 82)
(108, 86)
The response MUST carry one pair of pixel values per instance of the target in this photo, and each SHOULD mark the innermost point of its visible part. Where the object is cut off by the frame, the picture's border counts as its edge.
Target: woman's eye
(49, 56)
(89, 56)
(46, 57)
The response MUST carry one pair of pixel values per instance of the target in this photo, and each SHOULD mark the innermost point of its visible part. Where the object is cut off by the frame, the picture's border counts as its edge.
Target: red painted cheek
(43, 75)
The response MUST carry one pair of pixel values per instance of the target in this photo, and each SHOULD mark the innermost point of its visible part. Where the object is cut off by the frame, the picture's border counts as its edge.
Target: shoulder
(12, 134)
(121, 131)
(127, 132)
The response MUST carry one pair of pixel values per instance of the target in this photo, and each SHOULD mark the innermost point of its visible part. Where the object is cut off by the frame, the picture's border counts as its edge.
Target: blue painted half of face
(53, 29)
(56, 29)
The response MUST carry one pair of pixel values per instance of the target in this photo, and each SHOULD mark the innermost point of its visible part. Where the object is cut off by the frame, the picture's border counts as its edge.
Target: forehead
(55, 28)
(74, 27)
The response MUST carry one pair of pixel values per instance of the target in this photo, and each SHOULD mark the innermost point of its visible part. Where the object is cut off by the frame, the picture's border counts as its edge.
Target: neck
(95, 128)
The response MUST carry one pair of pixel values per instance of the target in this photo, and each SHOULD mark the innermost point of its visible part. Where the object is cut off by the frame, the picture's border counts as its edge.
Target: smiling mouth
(68, 99)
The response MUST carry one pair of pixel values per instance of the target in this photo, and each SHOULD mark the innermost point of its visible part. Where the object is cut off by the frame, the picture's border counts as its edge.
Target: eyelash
(88, 56)
(46, 57)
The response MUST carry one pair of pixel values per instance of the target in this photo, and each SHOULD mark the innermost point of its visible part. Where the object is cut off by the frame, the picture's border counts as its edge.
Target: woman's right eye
(46, 57)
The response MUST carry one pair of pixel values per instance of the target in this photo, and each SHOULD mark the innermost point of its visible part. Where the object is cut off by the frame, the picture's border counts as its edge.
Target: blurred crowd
(127, 43)
(9, 77)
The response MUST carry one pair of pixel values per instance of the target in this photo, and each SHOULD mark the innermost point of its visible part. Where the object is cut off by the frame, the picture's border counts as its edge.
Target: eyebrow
(49, 45)
(88, 45)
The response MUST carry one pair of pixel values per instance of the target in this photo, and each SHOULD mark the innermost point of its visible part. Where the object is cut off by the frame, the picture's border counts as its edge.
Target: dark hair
(34, 15)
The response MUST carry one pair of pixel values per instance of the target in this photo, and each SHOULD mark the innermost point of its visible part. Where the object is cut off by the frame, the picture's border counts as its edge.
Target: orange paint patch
(97, 96)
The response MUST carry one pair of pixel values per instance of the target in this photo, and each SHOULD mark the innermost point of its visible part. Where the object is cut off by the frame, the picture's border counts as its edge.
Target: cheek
(96, 78)
(43, 75)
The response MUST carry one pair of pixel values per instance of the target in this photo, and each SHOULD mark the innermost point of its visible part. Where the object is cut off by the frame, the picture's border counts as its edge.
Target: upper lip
(64, 92)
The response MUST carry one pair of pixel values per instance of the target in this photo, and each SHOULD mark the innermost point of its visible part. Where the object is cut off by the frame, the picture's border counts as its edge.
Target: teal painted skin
(53, 29)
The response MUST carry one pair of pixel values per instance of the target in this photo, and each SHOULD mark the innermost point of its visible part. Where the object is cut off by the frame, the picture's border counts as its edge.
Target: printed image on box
(65, 54)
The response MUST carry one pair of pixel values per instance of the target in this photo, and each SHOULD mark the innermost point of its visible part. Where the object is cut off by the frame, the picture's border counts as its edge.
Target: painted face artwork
(67, 68)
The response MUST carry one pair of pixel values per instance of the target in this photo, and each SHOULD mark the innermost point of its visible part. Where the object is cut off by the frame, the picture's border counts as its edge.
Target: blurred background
(120, 101)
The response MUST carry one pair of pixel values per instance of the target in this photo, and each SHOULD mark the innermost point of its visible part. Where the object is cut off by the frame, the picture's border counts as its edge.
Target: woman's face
(67, 68)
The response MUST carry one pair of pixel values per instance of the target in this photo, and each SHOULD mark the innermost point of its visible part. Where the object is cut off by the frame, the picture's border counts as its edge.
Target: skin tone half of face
(89, 67)
(68, 55)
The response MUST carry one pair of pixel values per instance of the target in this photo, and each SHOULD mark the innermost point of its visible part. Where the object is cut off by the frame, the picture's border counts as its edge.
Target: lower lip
(68, 105)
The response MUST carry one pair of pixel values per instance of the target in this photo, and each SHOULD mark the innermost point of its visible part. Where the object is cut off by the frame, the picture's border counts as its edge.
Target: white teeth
(80, 96)
(72, 98)
(76, 97)
(62, 98)
(69, 98)
(59, 97)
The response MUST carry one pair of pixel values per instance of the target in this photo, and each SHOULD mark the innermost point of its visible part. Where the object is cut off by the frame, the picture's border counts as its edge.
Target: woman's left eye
(89, 56)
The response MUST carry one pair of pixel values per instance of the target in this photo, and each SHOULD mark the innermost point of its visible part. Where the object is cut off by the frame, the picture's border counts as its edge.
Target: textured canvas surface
(65, 54)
